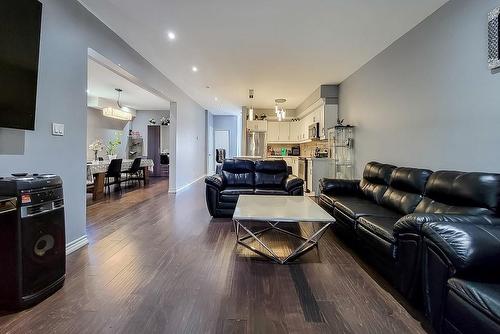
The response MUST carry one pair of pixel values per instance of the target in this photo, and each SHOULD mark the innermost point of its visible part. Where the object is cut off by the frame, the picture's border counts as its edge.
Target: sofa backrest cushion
(406, 189)
(238, 173)
(270, 173)
(455, 192)
(375, 180)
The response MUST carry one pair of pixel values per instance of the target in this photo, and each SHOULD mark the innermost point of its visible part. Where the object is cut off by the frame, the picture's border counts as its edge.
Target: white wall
(429, 99)
(68, 30)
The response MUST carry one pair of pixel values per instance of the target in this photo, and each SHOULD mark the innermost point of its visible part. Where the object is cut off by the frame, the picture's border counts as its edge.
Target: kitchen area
(311, 138)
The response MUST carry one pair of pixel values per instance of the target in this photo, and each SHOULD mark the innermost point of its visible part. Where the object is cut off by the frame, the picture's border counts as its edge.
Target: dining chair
(114, 171)
(134, 170)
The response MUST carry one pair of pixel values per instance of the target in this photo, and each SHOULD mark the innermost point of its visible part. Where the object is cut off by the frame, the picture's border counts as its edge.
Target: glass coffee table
(271, 211)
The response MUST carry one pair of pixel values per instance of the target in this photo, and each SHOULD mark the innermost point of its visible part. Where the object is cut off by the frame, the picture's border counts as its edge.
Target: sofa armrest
(414, 222)
(293, 182)
(472, 249)
(215, 181)
(339, 187)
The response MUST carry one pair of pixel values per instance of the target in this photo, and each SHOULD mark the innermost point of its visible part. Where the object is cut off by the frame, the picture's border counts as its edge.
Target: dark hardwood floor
(157, 263)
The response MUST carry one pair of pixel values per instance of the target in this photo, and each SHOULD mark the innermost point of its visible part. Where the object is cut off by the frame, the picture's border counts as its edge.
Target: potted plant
(96, 146)
(113, 145)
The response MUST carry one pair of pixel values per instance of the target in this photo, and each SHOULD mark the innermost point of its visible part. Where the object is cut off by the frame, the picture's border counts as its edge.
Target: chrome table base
(308, 243)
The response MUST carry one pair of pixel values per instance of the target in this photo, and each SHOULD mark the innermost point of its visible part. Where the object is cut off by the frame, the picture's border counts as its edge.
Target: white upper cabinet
(260, 126)
(278, 132)
(284, 135)
(273, 132)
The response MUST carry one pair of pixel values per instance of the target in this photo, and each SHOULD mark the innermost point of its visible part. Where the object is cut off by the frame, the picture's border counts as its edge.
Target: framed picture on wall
(493, 42)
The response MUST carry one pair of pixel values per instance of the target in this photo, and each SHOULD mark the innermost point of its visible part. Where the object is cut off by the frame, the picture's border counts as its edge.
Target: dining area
(105, 175)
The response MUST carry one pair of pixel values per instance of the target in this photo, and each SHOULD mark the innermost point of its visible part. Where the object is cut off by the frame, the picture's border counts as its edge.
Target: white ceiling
(280, 48)
(101, 82)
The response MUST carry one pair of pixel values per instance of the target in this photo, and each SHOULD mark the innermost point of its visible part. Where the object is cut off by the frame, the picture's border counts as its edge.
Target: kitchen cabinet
(284, 134)
(295, 131)
(273, 132)
(318, 168)
(260, 126)
(278, 132)
(293, 162)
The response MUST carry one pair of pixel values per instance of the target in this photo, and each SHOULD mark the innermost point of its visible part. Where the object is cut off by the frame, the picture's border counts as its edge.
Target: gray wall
(68, 30)
(229, 123)
(429, 99)
(141, 122)
(105, 128)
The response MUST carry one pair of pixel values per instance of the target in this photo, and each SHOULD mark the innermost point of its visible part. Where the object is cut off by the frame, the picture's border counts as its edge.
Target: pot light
(171, 35)
(216, 98)
(194, 68)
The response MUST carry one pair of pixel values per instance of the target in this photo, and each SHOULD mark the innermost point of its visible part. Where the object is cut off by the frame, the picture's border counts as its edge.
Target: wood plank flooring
(158, 263)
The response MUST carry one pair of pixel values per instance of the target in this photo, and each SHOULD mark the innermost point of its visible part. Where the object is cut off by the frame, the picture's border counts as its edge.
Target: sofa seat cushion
(270, 191)
(231, 194)
(355, 207)
(380, 226)
(485, 297)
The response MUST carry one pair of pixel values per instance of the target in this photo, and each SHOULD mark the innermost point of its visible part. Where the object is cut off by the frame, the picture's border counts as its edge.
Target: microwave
(314, 131)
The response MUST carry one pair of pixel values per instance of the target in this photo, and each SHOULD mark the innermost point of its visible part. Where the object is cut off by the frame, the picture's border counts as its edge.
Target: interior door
(221, 140)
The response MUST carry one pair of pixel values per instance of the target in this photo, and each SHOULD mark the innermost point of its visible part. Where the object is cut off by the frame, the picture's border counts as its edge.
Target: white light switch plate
(57, 129)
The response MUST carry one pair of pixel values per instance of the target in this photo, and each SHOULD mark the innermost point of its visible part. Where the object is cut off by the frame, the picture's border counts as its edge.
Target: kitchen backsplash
(306, 149)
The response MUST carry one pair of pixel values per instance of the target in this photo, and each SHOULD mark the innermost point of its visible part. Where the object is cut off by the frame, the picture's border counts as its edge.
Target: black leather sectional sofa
(245, 177)
(435, 235)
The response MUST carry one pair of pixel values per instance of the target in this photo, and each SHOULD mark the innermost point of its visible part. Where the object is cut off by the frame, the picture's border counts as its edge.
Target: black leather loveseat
(244, 177)
(390, 211)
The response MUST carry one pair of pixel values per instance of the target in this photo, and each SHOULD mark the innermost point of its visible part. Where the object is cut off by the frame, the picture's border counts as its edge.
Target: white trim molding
(184, 187)
(76, 244)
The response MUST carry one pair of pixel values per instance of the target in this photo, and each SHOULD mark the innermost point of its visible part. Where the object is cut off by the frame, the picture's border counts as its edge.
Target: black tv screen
(20, 24)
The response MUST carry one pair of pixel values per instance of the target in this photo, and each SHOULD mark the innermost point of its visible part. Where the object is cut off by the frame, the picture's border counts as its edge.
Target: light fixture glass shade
(117, 114)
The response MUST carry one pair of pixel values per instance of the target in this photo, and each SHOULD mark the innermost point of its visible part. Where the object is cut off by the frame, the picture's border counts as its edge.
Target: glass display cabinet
(341, 150)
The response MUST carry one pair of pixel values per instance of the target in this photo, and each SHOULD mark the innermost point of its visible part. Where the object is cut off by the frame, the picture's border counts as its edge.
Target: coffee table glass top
(279, 208)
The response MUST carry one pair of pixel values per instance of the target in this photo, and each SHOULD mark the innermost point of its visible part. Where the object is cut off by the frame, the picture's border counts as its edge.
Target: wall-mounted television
(20, 25)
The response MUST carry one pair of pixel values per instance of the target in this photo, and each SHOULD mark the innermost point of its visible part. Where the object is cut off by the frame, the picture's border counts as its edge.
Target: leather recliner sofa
(244, 177)
(388, 211)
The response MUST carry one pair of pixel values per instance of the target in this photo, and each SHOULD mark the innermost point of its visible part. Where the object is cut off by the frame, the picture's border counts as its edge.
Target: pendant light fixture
(117, 113)
(279, 109)
(251, 114)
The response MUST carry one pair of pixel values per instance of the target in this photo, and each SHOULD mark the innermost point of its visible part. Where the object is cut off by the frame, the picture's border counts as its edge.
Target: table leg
(98, 192)
(145, 175)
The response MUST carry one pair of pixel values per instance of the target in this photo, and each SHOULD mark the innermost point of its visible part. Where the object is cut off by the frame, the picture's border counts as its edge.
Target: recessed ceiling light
(171, 35)
(194, 68)
(216, 98)
(88, 91)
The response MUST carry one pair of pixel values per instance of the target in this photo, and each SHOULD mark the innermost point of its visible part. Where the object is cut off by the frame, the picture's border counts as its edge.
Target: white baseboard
(176, 190)
(76, 244)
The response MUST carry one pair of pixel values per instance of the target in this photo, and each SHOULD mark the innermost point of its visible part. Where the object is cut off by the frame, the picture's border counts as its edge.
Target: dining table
(96, 172)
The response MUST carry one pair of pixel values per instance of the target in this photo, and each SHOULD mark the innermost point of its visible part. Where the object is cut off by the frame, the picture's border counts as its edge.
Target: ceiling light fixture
(117, 113)
(171, 35)
(195, 69)
(216, 98)
(278, 108)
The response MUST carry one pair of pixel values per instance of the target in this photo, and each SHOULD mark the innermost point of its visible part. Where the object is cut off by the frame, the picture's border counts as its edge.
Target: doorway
(221, 140)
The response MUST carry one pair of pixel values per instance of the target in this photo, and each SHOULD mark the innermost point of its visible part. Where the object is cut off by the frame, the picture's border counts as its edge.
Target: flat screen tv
(20, 24)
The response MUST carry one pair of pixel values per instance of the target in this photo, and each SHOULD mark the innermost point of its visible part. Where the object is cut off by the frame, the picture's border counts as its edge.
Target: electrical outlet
(57, 129)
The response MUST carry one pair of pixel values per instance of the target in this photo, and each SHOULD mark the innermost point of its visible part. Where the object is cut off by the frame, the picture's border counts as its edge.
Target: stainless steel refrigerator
(256, 144)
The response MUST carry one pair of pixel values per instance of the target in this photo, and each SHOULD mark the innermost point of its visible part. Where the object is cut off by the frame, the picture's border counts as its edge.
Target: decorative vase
(111, 156)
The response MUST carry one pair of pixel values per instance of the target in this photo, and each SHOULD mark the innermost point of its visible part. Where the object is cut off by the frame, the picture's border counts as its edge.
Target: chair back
(115, 168)
(220, 155)
(136, 165)
(100, 159)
